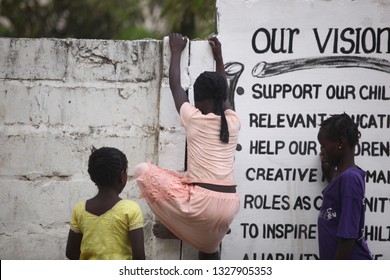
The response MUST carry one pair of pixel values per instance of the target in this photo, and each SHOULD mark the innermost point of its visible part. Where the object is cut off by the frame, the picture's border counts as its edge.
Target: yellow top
(107, 236)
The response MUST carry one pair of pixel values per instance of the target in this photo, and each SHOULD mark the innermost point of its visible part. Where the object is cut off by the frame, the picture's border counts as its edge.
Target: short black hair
(105, 166)
(342, 125)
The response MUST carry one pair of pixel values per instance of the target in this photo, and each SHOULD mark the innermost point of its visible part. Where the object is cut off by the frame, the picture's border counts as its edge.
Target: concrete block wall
(58, 98)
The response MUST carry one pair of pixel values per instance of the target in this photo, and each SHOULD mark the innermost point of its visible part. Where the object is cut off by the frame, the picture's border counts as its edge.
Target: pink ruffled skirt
(196, 215)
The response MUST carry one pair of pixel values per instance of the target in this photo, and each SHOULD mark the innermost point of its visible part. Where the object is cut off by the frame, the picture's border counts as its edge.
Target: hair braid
(342, 126)
(211, 85)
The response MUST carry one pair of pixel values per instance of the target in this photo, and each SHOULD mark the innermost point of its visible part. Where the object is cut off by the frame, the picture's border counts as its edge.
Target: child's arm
(344, 248)
(177, 43)
(73, 245)
(137, 243)
(216, 48)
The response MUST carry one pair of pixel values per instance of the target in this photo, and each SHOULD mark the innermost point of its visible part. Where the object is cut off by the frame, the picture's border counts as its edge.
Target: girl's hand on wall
(177, 42)
(216, 47)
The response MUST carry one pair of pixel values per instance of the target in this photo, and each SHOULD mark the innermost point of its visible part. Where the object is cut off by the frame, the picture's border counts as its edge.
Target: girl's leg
(179, 207)
(160, 188)
(207, 256)
(161, 231)
(140, 169)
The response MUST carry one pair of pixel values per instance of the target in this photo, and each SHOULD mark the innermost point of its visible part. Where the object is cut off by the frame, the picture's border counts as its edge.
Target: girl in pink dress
(199, 206)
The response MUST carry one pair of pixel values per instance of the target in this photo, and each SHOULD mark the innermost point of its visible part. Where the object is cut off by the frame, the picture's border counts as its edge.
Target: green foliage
(71, 18)
(194, 18)
(103, 19)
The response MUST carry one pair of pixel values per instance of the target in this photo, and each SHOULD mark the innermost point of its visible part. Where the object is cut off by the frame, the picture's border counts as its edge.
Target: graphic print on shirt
(328, 214)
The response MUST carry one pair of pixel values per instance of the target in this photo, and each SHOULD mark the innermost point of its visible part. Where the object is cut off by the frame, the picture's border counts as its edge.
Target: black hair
(105, 166)
(342, 125)
(212, 85)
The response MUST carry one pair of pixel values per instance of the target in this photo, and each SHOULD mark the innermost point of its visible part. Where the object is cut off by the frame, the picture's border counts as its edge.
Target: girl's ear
(123, 177)
(342, 143)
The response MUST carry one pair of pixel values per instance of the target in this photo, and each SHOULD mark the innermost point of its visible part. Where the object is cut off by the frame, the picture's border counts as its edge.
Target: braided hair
(105, 166)
(212, 85)
(342, 126)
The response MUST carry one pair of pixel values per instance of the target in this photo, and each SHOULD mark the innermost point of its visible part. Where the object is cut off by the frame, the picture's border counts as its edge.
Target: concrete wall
(58, 98)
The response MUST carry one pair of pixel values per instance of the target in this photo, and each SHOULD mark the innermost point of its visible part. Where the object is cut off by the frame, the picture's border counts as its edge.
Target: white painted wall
(274, 201)
(57, 99)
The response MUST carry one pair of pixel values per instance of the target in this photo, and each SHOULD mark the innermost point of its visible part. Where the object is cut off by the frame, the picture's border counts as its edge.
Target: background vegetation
(106, 19)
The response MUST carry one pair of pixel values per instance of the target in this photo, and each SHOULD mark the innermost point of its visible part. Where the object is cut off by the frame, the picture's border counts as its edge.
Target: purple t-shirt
(342, 215)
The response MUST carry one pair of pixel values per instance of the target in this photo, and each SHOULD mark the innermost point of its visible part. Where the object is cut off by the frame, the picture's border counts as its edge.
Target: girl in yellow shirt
(106, 226)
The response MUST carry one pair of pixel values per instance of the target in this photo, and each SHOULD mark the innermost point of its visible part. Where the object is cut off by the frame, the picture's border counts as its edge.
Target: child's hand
(177, 42)
(215, 47)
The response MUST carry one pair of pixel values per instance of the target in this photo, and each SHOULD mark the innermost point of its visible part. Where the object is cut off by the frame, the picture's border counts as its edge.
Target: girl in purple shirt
(342, 215)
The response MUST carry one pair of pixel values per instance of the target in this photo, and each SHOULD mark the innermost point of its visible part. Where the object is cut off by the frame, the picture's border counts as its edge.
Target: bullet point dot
(240, 90)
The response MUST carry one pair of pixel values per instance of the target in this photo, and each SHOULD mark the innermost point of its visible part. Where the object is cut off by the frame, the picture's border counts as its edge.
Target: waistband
(217, 188)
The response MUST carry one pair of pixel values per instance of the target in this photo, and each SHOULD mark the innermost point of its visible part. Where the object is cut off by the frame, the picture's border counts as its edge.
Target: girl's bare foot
(160, 231)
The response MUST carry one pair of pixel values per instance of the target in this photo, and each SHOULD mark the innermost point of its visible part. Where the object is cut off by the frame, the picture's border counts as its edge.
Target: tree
(194, 18)
(114, 19)
(105, 19)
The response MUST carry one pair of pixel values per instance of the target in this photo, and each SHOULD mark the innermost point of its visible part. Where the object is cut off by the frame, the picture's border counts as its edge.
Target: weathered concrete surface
(58, 98)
